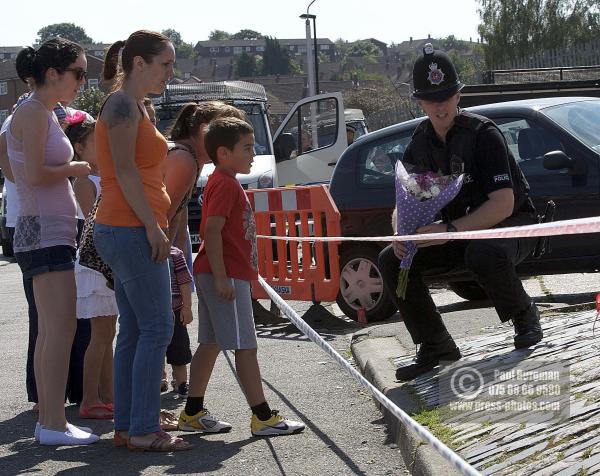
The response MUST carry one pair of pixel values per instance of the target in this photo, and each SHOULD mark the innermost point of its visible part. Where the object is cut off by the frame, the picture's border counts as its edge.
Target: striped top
(47, 213)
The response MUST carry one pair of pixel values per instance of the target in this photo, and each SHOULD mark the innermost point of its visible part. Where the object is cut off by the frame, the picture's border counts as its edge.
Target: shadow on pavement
(345, 458)
(209, 453)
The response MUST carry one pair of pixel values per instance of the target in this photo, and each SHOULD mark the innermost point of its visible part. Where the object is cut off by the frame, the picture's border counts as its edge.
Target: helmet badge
(436, 75)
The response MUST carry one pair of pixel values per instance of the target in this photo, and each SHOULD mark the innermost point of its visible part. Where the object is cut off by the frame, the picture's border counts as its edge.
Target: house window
(237, 50)
(3, 88)
(92, 83)
(3, 115)
(99, 53)
(82, 88)
(248, 48)
(187, 75)
(260, 48)
(214, 50)
(13, 55)
(227, 49)
(323, 47)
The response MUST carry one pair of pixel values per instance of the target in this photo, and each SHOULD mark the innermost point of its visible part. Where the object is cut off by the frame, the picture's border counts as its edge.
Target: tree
(89, 100)
(276, 60)
(219, 35)
(174, 36)
(363, 48)
(245, 65)
(516, 28)
(247, 35)
(182, 49)
(69, 31)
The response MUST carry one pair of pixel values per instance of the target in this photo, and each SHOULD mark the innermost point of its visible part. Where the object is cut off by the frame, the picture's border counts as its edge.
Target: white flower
(435, 191)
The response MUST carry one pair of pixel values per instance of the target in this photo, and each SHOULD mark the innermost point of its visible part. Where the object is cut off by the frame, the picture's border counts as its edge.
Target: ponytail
(111, 60)
(182, 127)
(25, 63)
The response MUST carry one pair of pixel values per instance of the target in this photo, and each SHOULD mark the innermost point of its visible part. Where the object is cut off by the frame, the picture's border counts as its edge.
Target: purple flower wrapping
(413, 213)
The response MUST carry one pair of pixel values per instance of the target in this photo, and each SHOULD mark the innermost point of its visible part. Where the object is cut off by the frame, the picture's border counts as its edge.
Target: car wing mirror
(558, 160)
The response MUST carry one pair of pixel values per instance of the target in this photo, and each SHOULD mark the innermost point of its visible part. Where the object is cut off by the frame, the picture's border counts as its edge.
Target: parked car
(556, 142)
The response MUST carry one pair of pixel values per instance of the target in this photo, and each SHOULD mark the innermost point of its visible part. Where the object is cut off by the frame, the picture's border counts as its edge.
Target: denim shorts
(46, 260)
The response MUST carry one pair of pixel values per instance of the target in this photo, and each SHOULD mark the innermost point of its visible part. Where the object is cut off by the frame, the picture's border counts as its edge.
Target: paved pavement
(534, 411)
(345, 434)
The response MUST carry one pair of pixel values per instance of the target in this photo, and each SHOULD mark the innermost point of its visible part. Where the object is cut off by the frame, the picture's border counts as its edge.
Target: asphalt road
(345, 432)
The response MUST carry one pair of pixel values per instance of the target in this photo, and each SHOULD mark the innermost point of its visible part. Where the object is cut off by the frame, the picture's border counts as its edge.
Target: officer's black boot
(428, 356)
(528, 330)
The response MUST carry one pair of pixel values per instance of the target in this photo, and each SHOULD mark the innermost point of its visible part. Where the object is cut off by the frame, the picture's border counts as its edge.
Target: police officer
(494, 194)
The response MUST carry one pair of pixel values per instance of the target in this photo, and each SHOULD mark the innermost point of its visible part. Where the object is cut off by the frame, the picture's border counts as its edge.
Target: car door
(575, 194)
(310, 140)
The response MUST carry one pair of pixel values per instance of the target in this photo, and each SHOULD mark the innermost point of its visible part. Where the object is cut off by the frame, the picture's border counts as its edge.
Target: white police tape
(563, 227)
(447, 453)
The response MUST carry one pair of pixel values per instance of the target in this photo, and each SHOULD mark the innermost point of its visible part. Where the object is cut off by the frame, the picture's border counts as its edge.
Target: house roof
(261, 42)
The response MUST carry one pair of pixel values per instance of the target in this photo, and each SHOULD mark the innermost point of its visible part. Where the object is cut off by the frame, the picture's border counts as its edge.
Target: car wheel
(469, 290)
(361, 285)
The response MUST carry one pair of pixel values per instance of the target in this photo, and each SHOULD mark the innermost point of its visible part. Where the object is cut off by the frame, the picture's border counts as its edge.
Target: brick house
(225, 48)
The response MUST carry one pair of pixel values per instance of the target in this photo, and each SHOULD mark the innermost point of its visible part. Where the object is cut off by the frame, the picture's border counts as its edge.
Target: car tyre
(361, 281)
(469, 290)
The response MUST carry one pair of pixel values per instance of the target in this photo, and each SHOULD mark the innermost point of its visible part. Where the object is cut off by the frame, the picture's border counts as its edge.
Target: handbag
(88, 255)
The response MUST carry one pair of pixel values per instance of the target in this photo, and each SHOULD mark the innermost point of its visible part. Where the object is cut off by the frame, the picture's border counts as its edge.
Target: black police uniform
(476, 147)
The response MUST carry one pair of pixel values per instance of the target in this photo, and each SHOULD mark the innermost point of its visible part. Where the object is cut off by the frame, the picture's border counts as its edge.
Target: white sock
(72, 436)
(38, 427)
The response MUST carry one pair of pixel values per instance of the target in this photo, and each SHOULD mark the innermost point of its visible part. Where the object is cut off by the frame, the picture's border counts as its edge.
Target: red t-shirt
(225, 197)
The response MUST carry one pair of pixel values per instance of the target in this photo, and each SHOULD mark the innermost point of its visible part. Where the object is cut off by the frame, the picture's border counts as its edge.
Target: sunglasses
(79, 73)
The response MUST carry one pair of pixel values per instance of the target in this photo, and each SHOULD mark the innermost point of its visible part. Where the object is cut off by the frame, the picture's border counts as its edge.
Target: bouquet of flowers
(419, 198)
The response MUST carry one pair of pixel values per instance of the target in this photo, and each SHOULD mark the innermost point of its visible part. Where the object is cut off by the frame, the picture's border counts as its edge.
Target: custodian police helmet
(434, 76)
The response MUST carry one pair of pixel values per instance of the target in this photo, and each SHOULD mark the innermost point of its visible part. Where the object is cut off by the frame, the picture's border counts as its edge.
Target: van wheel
(361, 285)
(469, 290)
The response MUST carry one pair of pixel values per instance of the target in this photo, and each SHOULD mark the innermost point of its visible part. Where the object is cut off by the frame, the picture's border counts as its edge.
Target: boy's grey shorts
(230, 324)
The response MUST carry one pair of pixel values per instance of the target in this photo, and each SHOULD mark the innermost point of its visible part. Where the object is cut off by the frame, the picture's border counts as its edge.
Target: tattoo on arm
(119, 112)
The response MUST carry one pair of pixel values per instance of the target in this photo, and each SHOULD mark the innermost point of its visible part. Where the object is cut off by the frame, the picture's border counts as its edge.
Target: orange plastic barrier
(307, 271)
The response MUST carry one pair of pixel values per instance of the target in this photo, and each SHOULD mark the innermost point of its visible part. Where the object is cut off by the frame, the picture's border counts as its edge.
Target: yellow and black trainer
(276, 425)
(202, 421)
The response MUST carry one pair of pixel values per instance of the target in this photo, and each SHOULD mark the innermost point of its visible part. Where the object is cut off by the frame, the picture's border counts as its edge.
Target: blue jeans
(143, 292)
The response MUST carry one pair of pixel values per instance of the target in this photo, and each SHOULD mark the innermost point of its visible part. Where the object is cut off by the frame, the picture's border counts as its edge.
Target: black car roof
(525, 105)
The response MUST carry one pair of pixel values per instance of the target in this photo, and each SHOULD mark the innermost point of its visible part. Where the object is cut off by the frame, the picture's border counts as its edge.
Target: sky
(111, 20)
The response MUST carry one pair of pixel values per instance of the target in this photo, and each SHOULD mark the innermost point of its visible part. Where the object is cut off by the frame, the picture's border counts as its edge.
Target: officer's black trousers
(491, 262)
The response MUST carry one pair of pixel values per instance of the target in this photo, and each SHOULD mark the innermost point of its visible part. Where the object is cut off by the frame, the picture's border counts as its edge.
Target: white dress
(94, 298)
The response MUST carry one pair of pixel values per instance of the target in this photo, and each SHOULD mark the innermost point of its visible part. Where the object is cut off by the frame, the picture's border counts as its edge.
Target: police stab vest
(459, 157)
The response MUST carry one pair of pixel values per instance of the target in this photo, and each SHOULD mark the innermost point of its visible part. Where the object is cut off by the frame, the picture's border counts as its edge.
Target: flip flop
(163, 443)
(168, 421)
(87, 412)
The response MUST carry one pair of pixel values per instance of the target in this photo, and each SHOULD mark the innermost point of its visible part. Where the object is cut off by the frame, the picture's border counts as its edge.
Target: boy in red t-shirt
(223, 269)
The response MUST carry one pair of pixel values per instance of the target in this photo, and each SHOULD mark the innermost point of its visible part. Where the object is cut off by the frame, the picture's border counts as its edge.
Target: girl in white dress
(95, 300)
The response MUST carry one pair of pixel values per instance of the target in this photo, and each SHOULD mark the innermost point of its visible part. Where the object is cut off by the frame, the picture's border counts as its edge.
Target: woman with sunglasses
(40, 157)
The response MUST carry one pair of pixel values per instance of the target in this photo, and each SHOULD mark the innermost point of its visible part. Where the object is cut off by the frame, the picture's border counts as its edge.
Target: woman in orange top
(130, 235)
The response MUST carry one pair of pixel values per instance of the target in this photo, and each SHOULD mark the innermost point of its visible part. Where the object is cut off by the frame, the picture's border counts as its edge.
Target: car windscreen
(256, 117)
(579, 118)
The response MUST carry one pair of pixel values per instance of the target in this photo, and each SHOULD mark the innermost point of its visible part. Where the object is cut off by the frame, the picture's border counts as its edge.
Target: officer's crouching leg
(493, 264)
(420, 316)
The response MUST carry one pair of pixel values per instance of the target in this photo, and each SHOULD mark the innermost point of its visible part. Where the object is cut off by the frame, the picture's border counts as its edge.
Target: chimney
(429, 36)
(410, 41)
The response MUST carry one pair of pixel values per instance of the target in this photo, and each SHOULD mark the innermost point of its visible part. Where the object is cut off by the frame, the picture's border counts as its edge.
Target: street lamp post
(313, 69)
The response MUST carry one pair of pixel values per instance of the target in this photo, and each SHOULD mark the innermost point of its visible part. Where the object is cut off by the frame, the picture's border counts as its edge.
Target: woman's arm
(85, 193)
(121, 115)
(180, 174)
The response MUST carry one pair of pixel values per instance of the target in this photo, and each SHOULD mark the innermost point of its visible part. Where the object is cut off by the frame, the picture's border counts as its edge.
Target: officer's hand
(431, 228)
(399, 249)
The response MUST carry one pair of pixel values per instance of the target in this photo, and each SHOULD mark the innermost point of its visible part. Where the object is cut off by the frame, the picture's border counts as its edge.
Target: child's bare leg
(246, 365)
(179, 374)
(105, 389)
(201, 368)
